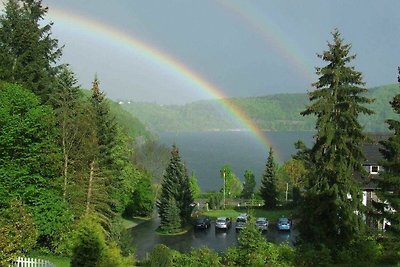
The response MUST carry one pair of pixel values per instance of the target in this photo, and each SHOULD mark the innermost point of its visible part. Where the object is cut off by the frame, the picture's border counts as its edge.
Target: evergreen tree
(249, 184)
(27, 50)
(106, 127)
(100, 172)
(330, 213)
(68, 107)
(172, 222)
(268, 190)
(175, 185)
(390, 183)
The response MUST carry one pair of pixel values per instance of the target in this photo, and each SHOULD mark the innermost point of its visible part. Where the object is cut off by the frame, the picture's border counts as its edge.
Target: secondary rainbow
(119, 38)
(269, 32)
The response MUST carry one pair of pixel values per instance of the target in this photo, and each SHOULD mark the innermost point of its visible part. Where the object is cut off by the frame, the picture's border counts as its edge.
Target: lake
(206, 152)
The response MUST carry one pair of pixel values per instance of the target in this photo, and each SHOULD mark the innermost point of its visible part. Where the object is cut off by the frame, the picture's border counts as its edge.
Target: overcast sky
(241, 48)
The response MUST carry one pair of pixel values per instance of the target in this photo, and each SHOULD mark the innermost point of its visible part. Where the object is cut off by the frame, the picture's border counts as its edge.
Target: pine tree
(105, 124)
(175, 185)
(330, 213)
(99, 189)
(172, 222)
(268, 190)
(390, 183)
(28, 53)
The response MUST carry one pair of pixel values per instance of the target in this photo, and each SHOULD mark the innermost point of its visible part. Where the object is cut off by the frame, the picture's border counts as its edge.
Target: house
(369, 181)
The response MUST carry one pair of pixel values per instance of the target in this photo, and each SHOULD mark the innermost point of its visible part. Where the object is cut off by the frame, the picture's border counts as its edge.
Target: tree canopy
(330, 213)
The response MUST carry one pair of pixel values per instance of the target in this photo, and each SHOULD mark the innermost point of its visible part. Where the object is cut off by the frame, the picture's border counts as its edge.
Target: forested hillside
(280, 112)
(68, 167)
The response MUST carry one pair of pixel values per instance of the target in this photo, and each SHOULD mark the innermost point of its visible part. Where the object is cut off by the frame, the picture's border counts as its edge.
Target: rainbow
(269, 33)
(167, 62)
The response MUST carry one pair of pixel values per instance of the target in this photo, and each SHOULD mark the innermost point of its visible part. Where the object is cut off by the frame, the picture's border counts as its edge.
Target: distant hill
(131, 124)
(280, 112)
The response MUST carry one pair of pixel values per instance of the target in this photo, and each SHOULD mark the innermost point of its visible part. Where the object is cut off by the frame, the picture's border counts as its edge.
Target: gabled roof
(371, 150)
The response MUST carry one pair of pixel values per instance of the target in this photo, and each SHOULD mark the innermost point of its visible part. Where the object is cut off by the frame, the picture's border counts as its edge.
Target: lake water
(206, 152)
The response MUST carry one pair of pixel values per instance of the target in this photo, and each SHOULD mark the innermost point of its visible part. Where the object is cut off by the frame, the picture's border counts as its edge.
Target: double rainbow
(168, 63)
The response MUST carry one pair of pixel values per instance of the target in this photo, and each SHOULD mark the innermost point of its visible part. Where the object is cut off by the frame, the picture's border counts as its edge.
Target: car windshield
(261, 221)
(284, 220)
(221, 220)
(241, 219)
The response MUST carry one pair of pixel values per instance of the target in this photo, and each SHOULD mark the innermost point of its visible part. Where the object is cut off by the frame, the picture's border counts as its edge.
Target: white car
(223, 223)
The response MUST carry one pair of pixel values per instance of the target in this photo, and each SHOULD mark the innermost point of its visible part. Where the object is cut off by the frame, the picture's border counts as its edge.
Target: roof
(371, 149)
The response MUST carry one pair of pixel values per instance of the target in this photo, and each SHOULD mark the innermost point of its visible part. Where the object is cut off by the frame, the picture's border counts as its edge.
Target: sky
(180, 51)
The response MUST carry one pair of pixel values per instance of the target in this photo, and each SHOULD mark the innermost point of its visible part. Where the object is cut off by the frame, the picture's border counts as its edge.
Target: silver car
(223, 223)
(262, 223)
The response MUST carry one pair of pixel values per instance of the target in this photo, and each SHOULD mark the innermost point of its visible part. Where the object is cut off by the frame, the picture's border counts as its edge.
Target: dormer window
(374, 169)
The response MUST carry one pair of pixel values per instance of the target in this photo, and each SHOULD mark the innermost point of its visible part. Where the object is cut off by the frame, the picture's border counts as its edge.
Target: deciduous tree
(249, 184)
(232, 184)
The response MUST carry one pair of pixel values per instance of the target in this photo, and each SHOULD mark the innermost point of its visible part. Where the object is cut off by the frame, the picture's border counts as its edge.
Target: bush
(162, 256)
(111, 256)
(215, 201)
(362, 252)
(199, 257)
(313, 255)
(89, 244)
(17, 233)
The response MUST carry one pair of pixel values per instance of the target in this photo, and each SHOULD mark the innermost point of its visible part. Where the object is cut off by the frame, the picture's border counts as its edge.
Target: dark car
(202, 223)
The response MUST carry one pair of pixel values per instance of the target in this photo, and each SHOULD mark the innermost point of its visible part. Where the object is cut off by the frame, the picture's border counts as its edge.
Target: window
(374, 169)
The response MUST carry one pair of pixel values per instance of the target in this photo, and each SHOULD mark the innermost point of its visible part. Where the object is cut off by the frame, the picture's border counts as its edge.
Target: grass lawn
(132, 222)
(56, 260)
(271, 215)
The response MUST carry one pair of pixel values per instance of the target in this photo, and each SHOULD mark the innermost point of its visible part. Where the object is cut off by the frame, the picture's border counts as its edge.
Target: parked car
(262, 223)
(241, 221)
(223, 223)
(202, 223)
(283, 224)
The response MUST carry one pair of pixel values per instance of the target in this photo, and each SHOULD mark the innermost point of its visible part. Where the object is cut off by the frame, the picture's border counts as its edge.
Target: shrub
(361, 252)
(111, 256)
(17, 233)
(89, 244)
(313, 255)
(162, 256)
(199, 257)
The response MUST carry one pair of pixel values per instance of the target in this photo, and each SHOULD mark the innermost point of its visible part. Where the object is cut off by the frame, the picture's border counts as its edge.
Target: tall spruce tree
(100, 160)
(389, 185)
(330, 211)
(175, 185)
(105, 124)
(268, 189)
(28, 53)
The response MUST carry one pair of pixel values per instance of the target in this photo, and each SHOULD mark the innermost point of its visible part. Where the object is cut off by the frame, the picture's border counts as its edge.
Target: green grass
(132, 222)
(271, 215)
(56, 260)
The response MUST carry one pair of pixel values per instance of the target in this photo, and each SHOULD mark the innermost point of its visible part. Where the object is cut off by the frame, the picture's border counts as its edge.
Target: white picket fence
(31, 262)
